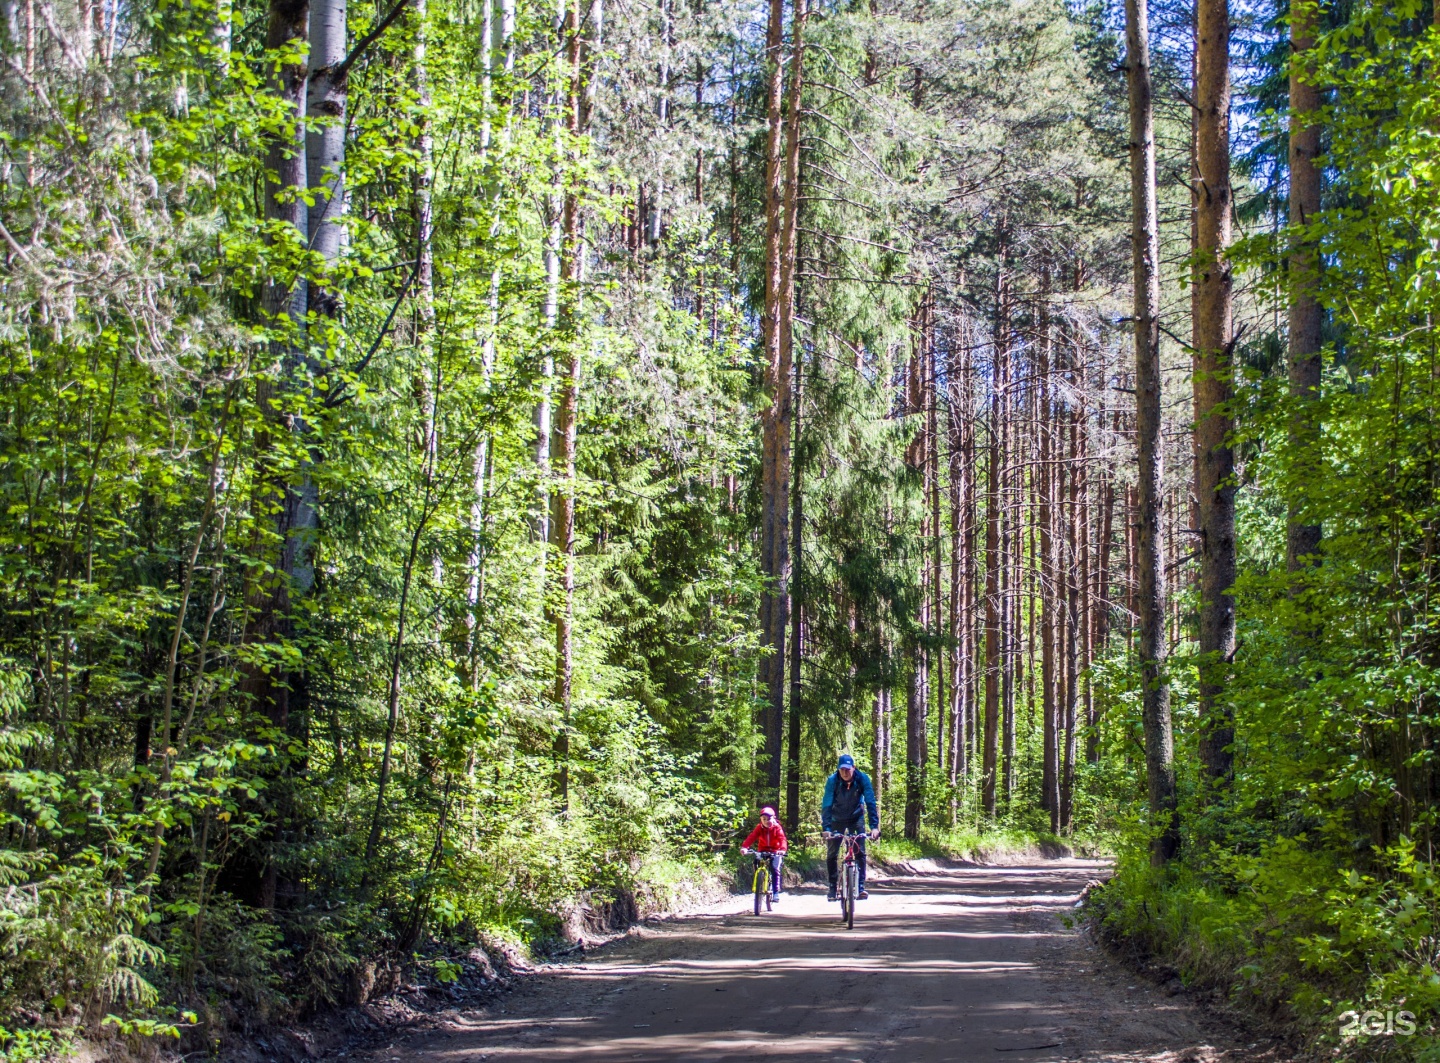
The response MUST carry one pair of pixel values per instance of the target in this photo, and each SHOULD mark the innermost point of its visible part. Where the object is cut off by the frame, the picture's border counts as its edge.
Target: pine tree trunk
(571, 338)
(775, 476)
(1031, 557)
(1155, 684)
(1302, 543)
(1106, 580)
(957, 409)
(970, 572)
(1213, 339)
(1049, 574)
(932, 428)
(1073, 624)
(992, 584)
(877, 747)
(1006, 567)
(917, 458)
(792, 769)
(1085, 618)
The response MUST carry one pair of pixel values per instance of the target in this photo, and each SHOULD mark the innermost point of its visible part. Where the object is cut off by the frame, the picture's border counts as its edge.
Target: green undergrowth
(806, 860)
(991, 845)
(1299, 939)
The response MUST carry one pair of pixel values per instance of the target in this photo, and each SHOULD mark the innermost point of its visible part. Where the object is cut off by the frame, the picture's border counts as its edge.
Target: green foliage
(1308, 889)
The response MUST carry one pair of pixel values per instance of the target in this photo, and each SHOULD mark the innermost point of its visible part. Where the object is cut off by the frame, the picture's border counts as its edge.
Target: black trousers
(832, 860)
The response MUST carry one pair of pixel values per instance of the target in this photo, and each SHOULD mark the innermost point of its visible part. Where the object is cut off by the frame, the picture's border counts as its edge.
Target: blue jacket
(867, 802)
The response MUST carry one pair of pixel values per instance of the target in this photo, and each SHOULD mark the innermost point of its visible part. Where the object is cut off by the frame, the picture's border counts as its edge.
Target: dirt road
(961, 964)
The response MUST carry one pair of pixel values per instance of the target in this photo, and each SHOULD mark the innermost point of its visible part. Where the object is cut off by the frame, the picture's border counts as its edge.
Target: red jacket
(766, 839)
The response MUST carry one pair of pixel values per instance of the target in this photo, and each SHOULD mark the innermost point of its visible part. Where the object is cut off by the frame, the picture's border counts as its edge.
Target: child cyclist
(768, 838)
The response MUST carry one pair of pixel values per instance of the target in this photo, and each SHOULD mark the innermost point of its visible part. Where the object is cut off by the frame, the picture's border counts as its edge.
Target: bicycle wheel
(852, 876)
(845, 899)
(760, 885)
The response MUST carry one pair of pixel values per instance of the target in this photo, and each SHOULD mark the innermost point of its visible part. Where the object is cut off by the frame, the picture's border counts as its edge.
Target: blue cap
(846, 761)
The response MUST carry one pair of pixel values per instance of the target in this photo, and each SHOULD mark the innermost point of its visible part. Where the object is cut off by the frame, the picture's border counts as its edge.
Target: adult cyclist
(849, 798)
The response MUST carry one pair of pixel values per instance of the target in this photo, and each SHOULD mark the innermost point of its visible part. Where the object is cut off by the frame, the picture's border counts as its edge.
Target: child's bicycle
(849, 884)
(763, 873)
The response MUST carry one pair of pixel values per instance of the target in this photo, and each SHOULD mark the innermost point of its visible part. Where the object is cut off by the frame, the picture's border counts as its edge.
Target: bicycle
(761, 883)
(849, 886)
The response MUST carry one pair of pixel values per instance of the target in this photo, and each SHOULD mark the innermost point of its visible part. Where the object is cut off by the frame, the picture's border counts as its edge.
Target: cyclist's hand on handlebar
(744, 851)
(875, 834)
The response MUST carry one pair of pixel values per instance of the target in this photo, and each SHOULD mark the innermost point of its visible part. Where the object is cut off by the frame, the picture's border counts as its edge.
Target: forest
(460, 458)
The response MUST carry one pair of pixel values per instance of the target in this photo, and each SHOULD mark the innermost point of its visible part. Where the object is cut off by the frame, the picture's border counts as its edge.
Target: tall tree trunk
(1213, 339)
(887, 751)
(325, 145)
(1031, 558)
(992, 585)
(957, 409)
(289, 23)
(1085, 606)
(792, 772)
(278, 693)
(1049, 575)
(1105, 578)
(580, 52)
(917, 457)
(499, 39)
(971, 573)
(424, 210)
(541, 416)
(1302, 543)
(776, 326)
(1145, 238)
(877, 747)
(1007, 605)
(1073, 620)
(932, 428)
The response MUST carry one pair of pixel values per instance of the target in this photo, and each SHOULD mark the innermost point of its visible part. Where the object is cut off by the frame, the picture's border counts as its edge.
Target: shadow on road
(938, 968)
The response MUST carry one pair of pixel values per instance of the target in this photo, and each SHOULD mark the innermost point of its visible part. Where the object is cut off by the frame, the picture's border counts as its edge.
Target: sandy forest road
(963, 964)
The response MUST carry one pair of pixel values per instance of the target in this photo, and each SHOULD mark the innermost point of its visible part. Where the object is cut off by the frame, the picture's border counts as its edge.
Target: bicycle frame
(849, 874)
(761, 884)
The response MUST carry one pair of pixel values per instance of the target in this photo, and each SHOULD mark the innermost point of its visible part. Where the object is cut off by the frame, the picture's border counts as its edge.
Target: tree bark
(580, 52)
(1145, 238)
(1302, 543)
(279, 694)
(932, 430)
(1005, 567)
(1083, 615)
(775, 475)
(957, 409)
(877, 746)
(992, 586)
(792, 772)
(325, 145)
(1213, 341)
(289, 22)
(1050, 775)
(917, 699)
(1073, 621)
